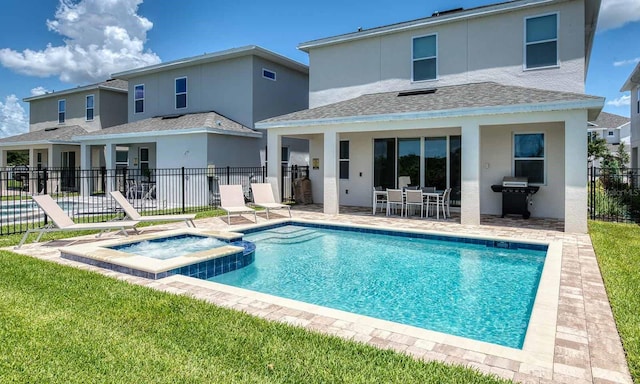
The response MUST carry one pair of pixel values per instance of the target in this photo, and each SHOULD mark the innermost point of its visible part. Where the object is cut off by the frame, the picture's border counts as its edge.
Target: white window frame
(185, 93)
(135, 99)
(269, 70)
(544, 156)
(93, 109)
(610, 133)
(346, 160)
(525, 44)
(63, 111)
(425, 58)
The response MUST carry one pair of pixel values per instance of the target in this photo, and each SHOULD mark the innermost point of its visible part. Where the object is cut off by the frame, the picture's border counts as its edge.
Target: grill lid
(509, 181)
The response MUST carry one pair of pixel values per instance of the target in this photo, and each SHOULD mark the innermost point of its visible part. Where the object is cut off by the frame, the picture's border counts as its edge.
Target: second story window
(541, 41)
(62, 108)
(181, 92)
(89, 107)
(425, 58)
(268, 74)
(138, 98)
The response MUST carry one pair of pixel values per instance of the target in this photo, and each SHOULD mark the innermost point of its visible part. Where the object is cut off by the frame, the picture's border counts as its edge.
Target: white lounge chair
(232, 201)
(133, 214)
(62, 222)
(263, 197)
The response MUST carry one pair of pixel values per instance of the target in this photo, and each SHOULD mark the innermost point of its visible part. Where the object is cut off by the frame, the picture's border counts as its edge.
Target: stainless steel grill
(516, 195)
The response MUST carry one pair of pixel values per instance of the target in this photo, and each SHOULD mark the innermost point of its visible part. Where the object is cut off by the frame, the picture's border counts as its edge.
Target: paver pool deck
(586, 345)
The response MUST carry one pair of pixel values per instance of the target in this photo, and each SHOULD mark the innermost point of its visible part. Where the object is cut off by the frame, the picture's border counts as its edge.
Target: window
(138, 98)
(285, 156)
(638, 99)
(144, 161)
(541, 41)
(89, 106)
(425, 58)
(268, 74)
(528, 156)
(610, 133)
(181, 92)
(62, 107)
(344, 159)
(122, 158)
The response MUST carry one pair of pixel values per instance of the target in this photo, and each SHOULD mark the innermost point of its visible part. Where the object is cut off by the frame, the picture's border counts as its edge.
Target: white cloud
(616, 13)
(101, 37)
(13, 119)
(37, 91)
(620, 101)
(626, 62)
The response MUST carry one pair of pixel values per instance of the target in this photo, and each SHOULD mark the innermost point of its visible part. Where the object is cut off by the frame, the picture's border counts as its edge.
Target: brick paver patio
(587, 346)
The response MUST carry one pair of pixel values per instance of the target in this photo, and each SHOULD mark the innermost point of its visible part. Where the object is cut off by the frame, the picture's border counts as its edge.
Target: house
(200, 112)
(55, 118)
(633, 85)
(459, 99)
(615, 129)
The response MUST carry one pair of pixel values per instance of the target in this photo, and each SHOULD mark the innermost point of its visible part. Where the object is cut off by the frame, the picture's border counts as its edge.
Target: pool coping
(539, 343)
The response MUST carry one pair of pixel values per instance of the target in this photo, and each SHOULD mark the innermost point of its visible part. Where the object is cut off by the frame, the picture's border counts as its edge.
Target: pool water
(470, 290)
(170, 247)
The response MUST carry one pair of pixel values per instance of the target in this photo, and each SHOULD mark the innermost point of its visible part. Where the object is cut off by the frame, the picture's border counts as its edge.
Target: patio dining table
(425, 195)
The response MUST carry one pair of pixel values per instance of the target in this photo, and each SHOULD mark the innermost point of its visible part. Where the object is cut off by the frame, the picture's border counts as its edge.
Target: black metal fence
(82, 193)
(614, 194)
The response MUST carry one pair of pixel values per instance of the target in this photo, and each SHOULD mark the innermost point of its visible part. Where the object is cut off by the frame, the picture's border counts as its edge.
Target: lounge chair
(232, 201)
(263, 197)
(62, 222)
(133, 214)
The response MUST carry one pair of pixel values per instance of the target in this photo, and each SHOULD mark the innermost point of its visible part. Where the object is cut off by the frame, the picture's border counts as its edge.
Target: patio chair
(263, 197)
(414, 199)
(133, 214)
(394, 198)
(232, 201)
(379, 199)
(62, 222)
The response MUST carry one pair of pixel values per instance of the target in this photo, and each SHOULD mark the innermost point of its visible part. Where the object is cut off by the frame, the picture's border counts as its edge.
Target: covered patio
(464, 137)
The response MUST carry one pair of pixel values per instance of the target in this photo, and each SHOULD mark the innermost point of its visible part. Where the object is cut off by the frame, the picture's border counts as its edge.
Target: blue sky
(48, 45)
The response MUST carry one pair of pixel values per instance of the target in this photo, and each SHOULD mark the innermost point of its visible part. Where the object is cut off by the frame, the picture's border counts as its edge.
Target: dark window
(541, 46)
(267, 74)
(62, 107)
(529, 156)
(344, 159)
(181, 92)
(425, 57)
(384, 163)
(90, 101)
(138, 98)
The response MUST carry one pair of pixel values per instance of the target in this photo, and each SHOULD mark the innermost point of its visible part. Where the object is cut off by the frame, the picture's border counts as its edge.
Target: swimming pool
(481, 289)
(169, 247)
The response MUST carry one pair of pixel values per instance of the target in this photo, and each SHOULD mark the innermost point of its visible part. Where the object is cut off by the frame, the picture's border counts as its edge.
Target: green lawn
(65, 325)
(617, 248)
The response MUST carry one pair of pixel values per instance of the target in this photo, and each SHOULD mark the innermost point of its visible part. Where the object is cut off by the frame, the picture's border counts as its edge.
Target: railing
(614, 194)
(83, 193)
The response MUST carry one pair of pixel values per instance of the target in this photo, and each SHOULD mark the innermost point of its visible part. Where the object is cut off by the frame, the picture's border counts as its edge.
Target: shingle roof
(455, 97)
(53, 134)
(206, 120)
(609, 120)
(115, 83)
(111, 84)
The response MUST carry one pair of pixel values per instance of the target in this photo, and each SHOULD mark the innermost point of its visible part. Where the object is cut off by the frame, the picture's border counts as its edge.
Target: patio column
(33, 182)
(274, 168)
(85, 169)
(3, 158)
(470, 189)
(331, 201)
(575, 175)
(110, 162)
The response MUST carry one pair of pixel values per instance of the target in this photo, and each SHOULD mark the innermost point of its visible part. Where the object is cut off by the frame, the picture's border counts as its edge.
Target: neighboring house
(615, 129)
(200, 111)
(459, 99)
(55, 118)
(633, 85)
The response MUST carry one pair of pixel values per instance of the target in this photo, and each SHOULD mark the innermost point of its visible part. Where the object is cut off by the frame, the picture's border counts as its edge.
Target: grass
(61, 324)
(617, 248)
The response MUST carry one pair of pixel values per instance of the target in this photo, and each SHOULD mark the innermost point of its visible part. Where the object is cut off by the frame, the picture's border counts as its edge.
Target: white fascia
(47, 142)
(447, 113)
(117, 136)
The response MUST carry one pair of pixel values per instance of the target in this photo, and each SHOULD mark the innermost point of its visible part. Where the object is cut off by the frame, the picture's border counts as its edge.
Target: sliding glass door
(409, 159)
(435, 162)
(384, 163)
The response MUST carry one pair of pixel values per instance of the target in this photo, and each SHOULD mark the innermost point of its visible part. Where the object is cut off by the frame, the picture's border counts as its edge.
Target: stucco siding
(233, 151)
(488, 48)
(111, 108)
(43, 113)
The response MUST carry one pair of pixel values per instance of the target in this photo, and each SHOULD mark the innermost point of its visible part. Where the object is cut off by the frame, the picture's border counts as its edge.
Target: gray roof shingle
(454, 97)
(211, 120)
(54, 134)
(609, 120)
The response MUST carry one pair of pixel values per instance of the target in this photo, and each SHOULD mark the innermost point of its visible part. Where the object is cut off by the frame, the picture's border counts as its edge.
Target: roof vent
(169, 117)
(426, 91)
(50, 129)
(440, 13)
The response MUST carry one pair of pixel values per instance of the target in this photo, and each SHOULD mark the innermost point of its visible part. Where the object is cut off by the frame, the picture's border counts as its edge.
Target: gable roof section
(451, 101)
(213, 57)
(592, 9)
(115, 85)
(633, 80)
(609, 120)
(54, 135)
(205, 122)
